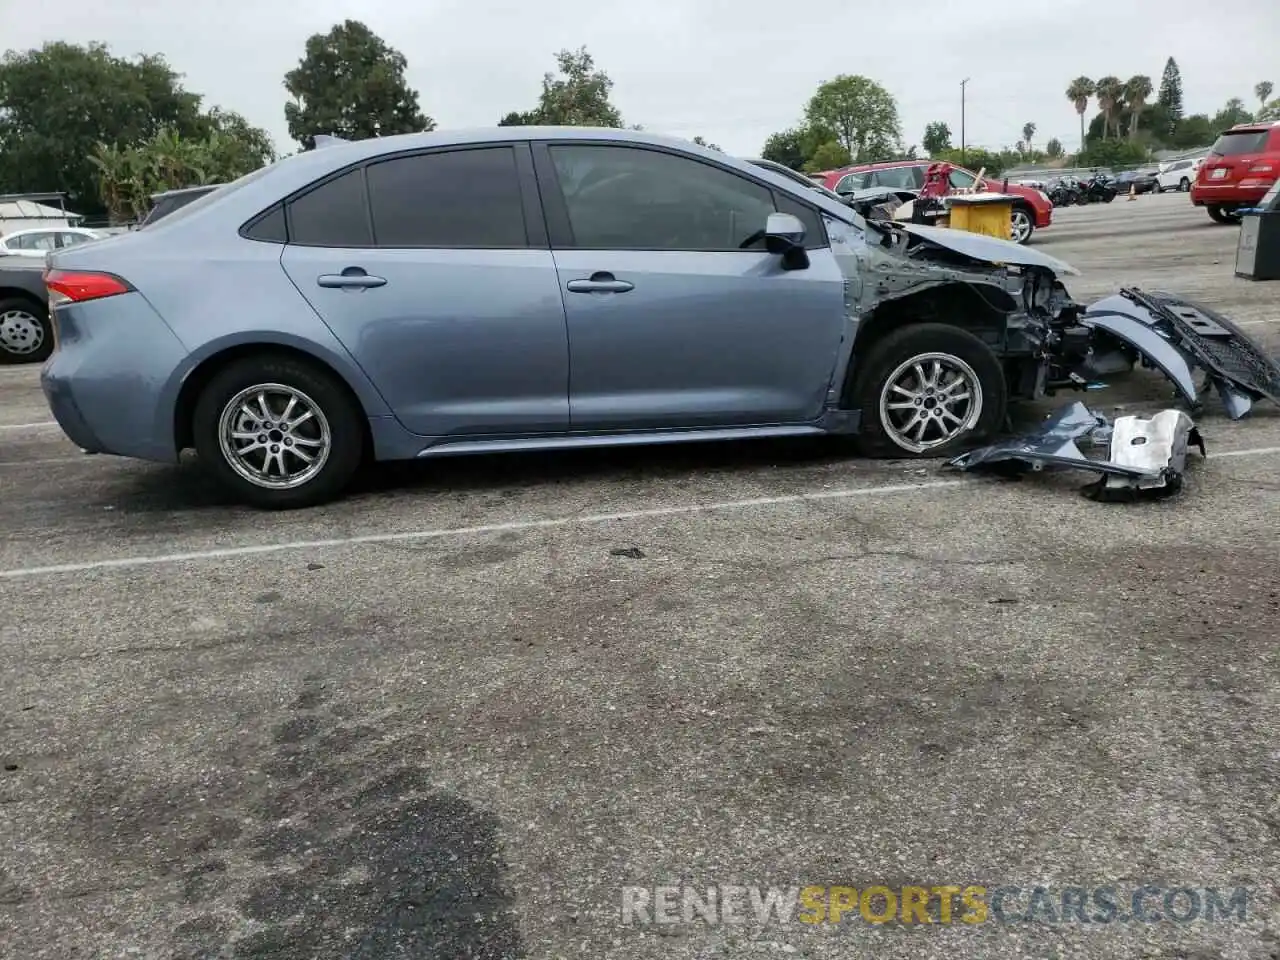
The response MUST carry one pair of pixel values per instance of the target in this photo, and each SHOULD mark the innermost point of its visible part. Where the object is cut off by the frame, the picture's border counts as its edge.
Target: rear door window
(334, 214)
(462, 199)
(1242, 142)
(895, 178)
(853, 181)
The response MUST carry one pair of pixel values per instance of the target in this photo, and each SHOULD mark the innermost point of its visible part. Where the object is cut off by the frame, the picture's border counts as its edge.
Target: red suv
(1031, 211)
(1240, 168)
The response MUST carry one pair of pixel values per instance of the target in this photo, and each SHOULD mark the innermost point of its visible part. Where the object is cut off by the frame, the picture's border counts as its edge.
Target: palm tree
(1136, 92)
(1109, 90)
(1028, 131)
(1078, 93)
(1263, 91)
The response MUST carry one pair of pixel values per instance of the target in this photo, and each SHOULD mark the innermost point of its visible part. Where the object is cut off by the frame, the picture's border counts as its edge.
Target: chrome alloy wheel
(274, 436)
(21, 332)
(929, 400)
(1021, 226)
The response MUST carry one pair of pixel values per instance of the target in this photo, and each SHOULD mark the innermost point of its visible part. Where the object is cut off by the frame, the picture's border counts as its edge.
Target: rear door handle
(350, 278)
(600, 282)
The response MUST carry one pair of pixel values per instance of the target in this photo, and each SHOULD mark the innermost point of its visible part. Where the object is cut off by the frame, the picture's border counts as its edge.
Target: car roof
(255, 192)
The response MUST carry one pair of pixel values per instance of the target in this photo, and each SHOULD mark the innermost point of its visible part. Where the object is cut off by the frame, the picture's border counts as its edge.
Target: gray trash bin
(1258, 249)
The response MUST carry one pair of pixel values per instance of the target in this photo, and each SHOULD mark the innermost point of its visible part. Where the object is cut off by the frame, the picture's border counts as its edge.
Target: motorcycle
(1064, 192)
(1098, 189)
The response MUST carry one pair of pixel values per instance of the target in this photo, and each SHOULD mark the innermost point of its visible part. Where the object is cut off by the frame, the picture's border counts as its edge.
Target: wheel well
(208, 368)
(957, 304)
(17, 293)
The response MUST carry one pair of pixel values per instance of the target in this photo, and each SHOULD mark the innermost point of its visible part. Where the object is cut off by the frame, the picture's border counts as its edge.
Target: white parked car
(1177, 175)
(41, 240)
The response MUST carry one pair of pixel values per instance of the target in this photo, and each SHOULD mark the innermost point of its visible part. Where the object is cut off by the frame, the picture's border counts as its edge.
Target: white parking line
(514, 525)
(1252, 323)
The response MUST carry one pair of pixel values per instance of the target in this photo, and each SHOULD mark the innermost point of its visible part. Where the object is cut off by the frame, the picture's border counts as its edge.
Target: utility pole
(962, 86)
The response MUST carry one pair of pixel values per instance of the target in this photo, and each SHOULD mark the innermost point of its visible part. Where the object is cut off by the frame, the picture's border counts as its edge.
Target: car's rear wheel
(929, 390)
(1184, 185)
(26, 333)
(1223, 214)
(1022, 225)
(278, 432)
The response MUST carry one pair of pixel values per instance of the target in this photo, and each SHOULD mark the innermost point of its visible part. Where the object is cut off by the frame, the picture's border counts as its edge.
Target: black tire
(1222, 215)
(1184, 185)
(26, 332)
(890, 354)
(322, 389)
(1156, 188)
(1108, 196)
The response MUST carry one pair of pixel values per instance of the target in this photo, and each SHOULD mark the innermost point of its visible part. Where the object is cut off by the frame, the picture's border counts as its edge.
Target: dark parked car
(1142, 181)
(163, 204)
(26, 335)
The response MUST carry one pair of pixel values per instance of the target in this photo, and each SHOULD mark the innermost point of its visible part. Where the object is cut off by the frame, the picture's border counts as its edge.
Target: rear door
(433, 269)
(1238, 157)
(677, 318)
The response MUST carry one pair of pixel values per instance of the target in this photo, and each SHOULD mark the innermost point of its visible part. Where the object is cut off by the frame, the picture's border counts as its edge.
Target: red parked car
(1240, 168)
(1032, 211)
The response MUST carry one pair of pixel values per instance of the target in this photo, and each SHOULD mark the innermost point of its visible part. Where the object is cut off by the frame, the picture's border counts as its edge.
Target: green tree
(1232, 112)
(1028, 131)
(58, 101)
(517, 118)
(1136, 91)
(975, 158)
(1271, 111)
(1263, 92)
(1170, 95)
(579, 96)
(862, 113)
(1194, 131)
(351, 84)
(1079, 92)
(828, 156)
(786, 147)
(1113, 154)
(1109, 92)
(1053, 149)
(937, 138)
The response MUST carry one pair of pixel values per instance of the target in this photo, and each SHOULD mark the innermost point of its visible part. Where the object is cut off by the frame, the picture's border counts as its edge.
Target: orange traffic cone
(1133, 192)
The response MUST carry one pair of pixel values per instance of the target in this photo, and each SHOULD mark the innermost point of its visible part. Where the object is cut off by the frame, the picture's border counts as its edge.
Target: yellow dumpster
(989, 214)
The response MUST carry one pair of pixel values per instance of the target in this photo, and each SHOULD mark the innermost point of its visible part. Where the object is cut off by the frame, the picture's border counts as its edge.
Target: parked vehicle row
(38, 241)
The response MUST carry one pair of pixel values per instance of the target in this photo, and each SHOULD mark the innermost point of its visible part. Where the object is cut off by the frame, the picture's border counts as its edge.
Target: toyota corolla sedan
(524, 288)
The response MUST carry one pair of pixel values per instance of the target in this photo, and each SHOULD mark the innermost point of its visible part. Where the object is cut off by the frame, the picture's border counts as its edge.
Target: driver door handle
(350, 278)
(600, 282)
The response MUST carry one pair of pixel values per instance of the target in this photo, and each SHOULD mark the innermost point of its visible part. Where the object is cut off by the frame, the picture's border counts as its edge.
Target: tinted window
(852, 182)
(462, 198)
(625, 198)
(1246, 141)
(815, 235)
(332, 215)
(895, 178)
(269, 226)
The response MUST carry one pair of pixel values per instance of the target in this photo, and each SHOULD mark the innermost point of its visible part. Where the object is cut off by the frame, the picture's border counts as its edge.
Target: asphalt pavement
(483, 705)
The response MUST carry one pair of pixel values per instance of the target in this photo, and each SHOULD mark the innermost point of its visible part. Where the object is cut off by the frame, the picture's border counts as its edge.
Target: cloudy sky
(732, 71)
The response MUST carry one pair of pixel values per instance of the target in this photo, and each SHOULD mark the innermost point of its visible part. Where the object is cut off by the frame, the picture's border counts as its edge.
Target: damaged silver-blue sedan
(526, 288)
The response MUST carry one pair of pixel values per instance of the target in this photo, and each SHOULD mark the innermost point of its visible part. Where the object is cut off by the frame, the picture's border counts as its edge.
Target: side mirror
(784, 236)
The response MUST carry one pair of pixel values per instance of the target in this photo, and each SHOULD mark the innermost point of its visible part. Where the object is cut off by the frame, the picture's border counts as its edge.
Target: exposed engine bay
(1015, 299)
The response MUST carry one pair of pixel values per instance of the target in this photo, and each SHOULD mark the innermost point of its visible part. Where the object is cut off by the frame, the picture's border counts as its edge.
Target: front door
(429, 277)
(676, 318)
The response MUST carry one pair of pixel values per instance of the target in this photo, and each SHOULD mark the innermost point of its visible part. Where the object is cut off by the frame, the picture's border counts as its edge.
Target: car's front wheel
(1022, 224)
(26, 333)
(929, 390)
(278, 432)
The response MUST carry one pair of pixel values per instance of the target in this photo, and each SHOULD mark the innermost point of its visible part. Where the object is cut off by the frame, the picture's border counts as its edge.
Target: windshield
(1244, 141)
(790, 174)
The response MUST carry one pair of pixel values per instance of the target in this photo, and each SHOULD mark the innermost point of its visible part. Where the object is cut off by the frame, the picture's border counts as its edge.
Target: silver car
(525, 288)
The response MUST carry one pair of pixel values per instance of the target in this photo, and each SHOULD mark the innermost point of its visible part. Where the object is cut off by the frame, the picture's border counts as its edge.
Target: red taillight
(76, 286)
